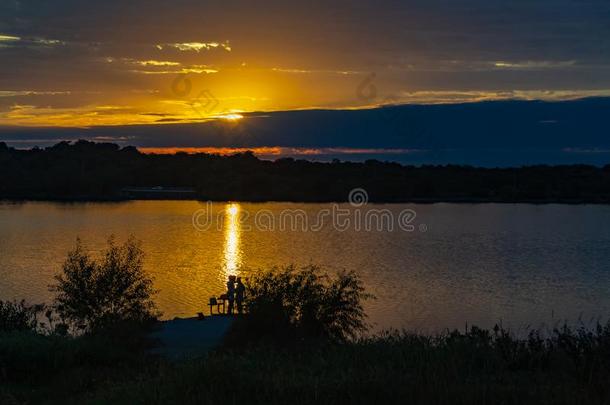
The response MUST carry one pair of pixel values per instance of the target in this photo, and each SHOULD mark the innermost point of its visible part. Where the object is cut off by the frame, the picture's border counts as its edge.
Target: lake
(431, 266)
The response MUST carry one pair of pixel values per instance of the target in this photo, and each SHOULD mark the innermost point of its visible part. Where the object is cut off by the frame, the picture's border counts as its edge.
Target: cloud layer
(67, 56)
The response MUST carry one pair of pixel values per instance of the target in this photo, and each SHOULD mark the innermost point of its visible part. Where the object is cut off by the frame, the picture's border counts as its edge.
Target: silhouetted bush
(94, 295)
(19, 316)
(289, 303)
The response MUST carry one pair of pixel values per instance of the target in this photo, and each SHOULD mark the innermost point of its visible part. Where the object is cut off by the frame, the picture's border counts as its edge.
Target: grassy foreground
(299, 343)
(477, 367)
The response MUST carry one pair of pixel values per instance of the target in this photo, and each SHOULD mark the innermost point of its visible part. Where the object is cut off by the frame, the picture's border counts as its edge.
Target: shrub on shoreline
(94, 295)
(290, 304)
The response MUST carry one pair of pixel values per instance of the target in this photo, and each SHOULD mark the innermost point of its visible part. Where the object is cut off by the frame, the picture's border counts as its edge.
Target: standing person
(230, 294)
(239, 295)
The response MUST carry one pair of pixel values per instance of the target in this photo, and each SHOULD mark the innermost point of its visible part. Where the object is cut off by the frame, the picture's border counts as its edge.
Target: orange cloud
(211, 150)
(273, 151)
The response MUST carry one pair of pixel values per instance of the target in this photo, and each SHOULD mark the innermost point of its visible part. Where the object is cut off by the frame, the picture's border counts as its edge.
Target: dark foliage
(569, 366)
(473, 367)
(288, 304)
(94, 295)
(19, 316)
(99, 171)
(48, 368)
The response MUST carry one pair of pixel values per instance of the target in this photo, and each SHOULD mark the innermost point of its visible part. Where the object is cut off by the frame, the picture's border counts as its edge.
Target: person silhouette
(230, 294)
(240, 289)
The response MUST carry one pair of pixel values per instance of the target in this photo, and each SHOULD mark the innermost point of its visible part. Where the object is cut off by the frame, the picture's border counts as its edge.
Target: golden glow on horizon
(231, 117)
(232, 229)
(7, 38)
(225, 92)
(275, 151)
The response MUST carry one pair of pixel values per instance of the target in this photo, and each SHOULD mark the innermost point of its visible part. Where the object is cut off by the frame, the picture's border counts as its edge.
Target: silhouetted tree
(96, 294)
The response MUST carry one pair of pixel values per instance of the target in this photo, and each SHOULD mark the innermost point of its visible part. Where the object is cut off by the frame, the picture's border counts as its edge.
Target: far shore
(423, 200)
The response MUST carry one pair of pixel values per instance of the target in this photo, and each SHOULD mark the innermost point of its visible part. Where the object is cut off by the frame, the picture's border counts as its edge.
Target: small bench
(218, 302)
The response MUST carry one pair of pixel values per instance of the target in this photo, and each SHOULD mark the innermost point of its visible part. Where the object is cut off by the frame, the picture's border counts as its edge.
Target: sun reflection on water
(232, 230)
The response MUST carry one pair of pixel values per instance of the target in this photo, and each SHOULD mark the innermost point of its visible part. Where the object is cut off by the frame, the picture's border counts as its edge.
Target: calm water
(522, 264)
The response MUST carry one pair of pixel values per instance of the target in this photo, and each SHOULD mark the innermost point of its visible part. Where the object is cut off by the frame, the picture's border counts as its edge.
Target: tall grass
(474, 367)
(571, 366)
(37, 368)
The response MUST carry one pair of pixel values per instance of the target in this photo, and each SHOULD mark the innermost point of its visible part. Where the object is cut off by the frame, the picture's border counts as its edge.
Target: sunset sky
(85, 64)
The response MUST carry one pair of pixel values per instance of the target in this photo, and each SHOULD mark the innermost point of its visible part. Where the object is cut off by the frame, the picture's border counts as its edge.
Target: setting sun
(231, 117)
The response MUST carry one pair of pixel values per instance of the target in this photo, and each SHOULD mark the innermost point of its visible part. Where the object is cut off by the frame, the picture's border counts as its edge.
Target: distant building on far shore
(159, 193)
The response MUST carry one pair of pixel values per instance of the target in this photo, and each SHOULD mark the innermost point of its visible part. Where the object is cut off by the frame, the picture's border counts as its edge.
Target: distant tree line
(88, 170)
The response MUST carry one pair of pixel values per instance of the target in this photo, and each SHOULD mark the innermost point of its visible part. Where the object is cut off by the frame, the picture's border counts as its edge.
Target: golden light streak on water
(232, 231)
